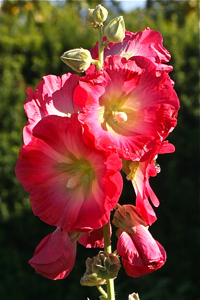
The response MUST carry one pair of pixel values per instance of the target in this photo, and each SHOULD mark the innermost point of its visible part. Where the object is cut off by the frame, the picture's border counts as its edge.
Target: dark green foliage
(33, 36)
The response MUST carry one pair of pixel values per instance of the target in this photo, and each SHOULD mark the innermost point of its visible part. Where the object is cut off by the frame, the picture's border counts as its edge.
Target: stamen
(73, 181)
(133, 168)
(119, 116)
(157, 166)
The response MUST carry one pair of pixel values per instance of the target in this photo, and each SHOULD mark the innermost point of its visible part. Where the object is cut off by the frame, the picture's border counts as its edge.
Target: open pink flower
(147, 43)
(71, 186)
(127, 106)
(139, 173)
(53, 96)
(140, 253)
(55, 255)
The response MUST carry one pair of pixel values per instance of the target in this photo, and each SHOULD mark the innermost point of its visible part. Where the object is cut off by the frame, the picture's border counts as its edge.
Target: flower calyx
(126, 217)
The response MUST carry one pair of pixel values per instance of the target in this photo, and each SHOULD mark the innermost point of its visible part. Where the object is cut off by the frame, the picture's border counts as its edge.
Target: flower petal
(53, 96)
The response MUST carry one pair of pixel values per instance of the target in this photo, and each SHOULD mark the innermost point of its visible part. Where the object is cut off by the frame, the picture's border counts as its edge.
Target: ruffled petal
(53, 96)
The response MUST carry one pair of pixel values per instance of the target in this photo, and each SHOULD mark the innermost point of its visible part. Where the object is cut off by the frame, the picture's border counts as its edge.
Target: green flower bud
(100, 14)
(91, 280)
(115, 30)
(78, 59)
(95, 17)
(90, 21)
(99, 268)
(106, 265)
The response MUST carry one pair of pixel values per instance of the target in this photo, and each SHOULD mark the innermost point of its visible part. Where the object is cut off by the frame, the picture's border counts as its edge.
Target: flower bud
(100, 14)
(78, 59)
(95, 17)
(115, 30)
(99, 268)
(91, 279)
(127, 218)
(106, 265)
(90, 21)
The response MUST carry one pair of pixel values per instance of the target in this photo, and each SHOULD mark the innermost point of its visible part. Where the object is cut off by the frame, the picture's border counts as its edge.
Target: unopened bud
(95, 17)
(91, 280)
(106, 265)
(115, 30)
(78, 59)
(90, 21)
(126, 217)
(100, 14)
(99, 268)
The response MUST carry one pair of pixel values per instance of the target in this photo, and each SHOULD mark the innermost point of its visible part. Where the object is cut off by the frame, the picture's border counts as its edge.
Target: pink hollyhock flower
(127, 106)
(140, 253)
(55, 255)
(70, 185)
(147, 43)
(53, 96)
(139, 173)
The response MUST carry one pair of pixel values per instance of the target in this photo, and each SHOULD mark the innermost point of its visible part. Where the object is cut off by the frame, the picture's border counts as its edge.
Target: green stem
(101, 48)
(101, 290)
(107, 248)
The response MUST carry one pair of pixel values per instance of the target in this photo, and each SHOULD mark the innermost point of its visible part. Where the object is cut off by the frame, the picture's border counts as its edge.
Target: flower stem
(107, 248)
(101, 290)
(101, 48)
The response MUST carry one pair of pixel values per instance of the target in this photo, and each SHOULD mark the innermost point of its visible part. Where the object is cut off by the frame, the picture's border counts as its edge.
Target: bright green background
(33, 35)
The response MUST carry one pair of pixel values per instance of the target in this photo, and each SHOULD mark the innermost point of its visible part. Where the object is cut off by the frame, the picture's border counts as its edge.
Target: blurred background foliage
(33, 36)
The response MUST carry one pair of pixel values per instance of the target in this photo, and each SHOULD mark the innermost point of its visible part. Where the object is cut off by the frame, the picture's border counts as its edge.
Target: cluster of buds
(80, 59)
(100, 268)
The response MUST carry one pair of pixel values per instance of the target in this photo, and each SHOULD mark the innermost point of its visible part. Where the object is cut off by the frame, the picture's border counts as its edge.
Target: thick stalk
(101, 48)
(107, 248)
